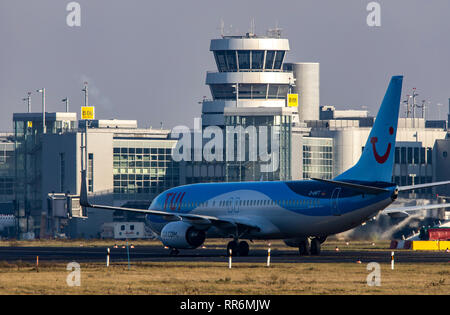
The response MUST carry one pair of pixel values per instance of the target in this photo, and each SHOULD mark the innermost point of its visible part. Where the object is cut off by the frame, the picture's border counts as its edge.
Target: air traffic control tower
(249, 89)
(250, 76)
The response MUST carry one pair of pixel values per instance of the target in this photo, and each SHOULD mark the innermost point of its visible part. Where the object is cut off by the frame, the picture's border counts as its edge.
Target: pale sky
(147, 60)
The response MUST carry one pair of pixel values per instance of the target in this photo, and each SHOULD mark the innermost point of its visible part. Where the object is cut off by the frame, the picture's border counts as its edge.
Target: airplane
(303, 213)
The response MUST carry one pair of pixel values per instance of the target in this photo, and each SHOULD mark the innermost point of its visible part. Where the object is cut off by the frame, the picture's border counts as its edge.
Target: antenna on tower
(252, 26)
(222, 27)
(414, 105)
(408, 108)
(423, 106)
(274, 32)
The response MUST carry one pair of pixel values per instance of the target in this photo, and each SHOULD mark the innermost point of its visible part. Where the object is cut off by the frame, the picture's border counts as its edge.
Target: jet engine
(182, 235)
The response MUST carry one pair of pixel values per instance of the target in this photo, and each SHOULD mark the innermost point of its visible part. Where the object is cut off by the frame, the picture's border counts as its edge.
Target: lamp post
(28, 99)
(66, 100)
(85, 90)
(43, 109)
(439, 105)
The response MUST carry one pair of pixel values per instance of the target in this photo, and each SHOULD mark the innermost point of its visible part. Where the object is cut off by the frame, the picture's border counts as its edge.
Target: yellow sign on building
(29, 124)
(87, 112)
(292, 100)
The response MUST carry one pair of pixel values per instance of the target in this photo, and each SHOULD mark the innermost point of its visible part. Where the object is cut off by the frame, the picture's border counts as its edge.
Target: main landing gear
(307, 247)
(238, 248)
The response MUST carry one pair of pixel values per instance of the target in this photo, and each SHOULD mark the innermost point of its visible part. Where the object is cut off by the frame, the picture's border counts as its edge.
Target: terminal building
(267, 138)
(127, 166)
(7, 173)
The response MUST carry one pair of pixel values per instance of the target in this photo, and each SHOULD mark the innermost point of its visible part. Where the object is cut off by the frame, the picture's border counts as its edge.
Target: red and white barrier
(402, 244)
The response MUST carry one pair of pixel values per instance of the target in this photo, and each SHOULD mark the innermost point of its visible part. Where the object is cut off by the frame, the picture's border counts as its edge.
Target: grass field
(219, 243)
(217, 278)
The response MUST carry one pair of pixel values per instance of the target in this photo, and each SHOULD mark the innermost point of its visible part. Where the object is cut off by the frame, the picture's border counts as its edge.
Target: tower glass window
(279, 59)
(270, 56)
(244, 59)
(223, 91)
(257, 59)
(231, 60)
(278, 91)
(259, 91)
(221, 60)
(249, 91)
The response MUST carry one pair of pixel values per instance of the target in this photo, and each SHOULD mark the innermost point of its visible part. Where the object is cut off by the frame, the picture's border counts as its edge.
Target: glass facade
(6, 171)
(249, 60)
(28, 130)
(143, 169)
(252, 164)
(249, 91)
(413, 155)
(317, 158)
(414, 166)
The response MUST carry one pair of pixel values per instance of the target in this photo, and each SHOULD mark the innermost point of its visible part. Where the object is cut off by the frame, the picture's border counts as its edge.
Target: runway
(157, 253)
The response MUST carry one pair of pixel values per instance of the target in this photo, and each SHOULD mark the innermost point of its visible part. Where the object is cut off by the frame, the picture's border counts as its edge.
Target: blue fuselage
(285, 209)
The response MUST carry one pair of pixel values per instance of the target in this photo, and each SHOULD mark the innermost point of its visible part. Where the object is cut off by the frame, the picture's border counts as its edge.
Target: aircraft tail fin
(377, 159)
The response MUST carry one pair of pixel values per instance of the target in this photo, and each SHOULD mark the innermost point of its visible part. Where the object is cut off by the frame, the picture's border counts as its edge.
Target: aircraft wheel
(303, 248)
(233, 245)
(243, 248)
(315, 247)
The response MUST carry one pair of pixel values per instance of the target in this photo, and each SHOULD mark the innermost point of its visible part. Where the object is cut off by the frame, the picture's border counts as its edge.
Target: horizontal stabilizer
(362, 188)
(415, 208)
(412, 187)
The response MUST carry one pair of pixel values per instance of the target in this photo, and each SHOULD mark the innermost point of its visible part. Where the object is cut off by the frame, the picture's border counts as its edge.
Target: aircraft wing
(195, 219)
(412, 187)
(405, 210)
(202, 221)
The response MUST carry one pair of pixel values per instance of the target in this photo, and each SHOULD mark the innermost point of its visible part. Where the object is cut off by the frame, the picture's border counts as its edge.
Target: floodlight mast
(66, 100)
(28, 99)
(43, 109)
(85, 90)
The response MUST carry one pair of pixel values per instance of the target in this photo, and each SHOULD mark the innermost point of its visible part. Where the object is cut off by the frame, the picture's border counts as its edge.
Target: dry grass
(216, 278)
(211, 243)
(74, 243)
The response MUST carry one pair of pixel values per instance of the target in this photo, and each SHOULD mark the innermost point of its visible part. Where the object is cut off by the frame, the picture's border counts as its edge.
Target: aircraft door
(335, 201)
